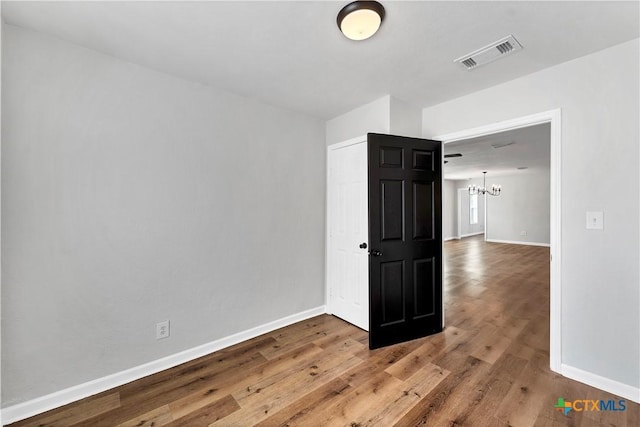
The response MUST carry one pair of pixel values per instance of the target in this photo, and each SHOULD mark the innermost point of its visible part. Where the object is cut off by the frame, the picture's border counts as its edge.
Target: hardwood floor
(488, 368)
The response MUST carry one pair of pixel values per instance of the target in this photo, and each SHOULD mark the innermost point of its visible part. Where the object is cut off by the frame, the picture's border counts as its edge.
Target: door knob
(375, 253)
(363, 246)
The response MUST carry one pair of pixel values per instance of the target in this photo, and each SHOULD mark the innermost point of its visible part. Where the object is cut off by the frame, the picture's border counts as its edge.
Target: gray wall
(130, 197)
(405, 119)
(372, 117)
(523, 206)
(384, 115)
(599, 98)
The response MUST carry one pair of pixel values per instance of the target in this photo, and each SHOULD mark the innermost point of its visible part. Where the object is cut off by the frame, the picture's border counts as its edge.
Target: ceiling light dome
(360, 20)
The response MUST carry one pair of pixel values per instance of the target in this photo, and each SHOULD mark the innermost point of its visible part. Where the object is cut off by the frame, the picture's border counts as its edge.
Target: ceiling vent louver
(469, 63)
(502, 144)
(489, 53)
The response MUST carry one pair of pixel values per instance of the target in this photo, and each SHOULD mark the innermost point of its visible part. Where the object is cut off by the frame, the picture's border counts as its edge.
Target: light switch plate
(595, 220)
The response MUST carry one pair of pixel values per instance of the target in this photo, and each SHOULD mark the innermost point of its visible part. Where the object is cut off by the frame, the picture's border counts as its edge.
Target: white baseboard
(471, 234)
(60, 398)
(602, 383)
(450, 238)
(515, 242)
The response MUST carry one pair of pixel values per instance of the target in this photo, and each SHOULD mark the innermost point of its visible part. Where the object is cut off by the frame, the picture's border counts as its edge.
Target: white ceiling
(531, 148)
(291, 54)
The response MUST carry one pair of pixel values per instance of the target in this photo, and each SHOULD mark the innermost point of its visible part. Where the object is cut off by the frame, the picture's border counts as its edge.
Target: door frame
(328, 243)
(461, 193)
(553, 117)
(459, 204)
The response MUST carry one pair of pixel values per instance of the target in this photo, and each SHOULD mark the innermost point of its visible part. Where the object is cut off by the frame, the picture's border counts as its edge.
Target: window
(473, 209)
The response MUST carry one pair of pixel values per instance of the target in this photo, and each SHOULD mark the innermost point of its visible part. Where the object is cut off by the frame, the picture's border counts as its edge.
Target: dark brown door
(405, 257)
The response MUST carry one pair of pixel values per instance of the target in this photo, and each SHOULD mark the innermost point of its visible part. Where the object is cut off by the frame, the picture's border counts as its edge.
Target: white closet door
(347, 230)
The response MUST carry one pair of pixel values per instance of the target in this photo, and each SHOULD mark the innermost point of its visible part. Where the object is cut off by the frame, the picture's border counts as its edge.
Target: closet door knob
(363, 246)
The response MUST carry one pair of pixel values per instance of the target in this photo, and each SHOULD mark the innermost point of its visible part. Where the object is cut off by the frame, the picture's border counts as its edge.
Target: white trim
(348, 142)
(459, 192)
(1, 24)
(554, 117)
(555, 345)
(602, 383)
(54, 400)
(515, 242)
(442, 292)
(492, 128)
(446, 239)
(486, 216)
(477, 233)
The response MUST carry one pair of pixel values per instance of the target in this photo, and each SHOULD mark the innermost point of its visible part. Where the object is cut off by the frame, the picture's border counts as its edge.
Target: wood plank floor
(488, 368)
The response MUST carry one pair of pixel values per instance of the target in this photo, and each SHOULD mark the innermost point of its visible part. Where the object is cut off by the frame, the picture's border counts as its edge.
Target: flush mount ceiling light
(360, 20)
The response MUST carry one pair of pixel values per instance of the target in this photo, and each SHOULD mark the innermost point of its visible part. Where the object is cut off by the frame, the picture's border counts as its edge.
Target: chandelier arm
(493, 191)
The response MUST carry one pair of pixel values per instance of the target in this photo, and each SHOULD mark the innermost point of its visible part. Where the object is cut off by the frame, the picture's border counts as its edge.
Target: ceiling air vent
(469, 63)
(489, 53)
(502, 144)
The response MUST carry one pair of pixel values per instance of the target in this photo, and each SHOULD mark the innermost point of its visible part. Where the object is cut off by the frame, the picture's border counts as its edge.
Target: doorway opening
(553, 118)
(470, 214)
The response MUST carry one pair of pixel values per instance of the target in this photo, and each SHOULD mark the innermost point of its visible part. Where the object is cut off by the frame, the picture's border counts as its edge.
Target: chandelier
(493, 191)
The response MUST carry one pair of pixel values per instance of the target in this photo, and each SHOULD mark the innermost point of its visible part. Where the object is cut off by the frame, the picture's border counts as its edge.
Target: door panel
(392, 215)
(423, 160)
(405, 259)
(391, 157)
(392, 292)
(423, 210)
(347, 262)
(423, 272)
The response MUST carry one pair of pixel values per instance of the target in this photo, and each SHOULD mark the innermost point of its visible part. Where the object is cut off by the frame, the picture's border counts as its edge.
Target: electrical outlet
(162, 330)
(523, 233)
